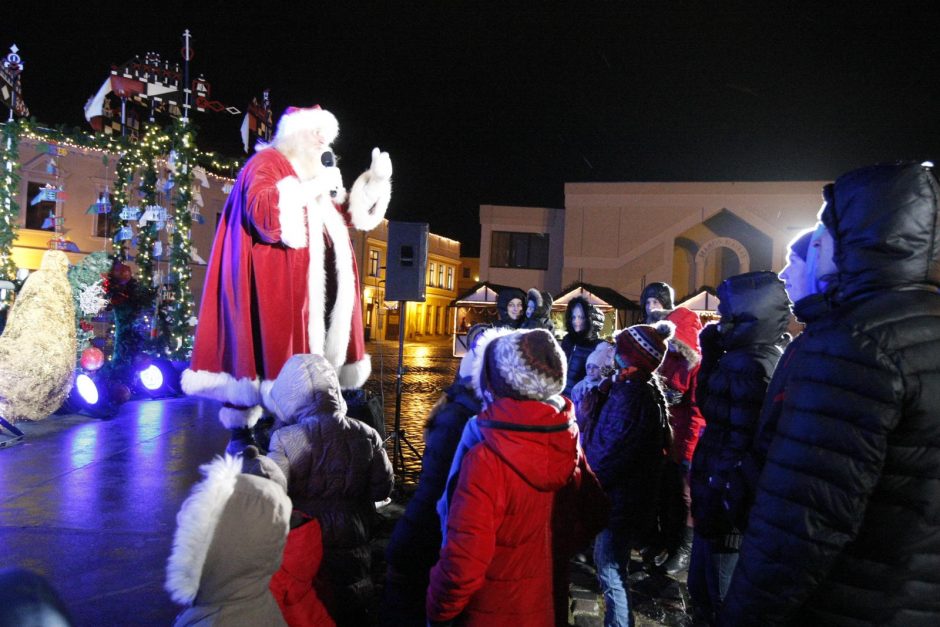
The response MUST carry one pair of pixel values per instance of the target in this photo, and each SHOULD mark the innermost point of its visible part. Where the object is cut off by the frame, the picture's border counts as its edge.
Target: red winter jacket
(292, 585)
(679, 371)
(496, 563)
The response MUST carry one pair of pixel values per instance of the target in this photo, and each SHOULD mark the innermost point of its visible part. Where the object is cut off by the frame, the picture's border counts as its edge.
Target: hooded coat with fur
(228, 544)
(578, 345)
(336, 469)
(845, 528)
(541, 317)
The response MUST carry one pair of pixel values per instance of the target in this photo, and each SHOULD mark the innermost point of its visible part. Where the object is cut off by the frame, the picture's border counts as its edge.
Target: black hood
(754, 309)
(883, 220)
(502, 301)
(593, 316)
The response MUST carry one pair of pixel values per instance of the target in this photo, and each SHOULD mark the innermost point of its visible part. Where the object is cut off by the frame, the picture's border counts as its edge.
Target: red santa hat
(312, 118)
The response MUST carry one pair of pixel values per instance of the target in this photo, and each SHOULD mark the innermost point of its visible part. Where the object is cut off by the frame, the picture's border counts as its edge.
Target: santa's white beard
(306, 162)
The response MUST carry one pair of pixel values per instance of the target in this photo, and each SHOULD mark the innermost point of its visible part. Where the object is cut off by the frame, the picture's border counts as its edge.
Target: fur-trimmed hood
(228, 543)
(593, 317)
(685, 341)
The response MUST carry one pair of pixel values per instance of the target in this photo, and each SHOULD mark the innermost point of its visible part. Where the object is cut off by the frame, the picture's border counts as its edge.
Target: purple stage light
(87, 389)
(151, 378)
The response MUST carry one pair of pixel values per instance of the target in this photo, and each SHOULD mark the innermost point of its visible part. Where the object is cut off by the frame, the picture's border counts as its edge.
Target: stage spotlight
(158, 378)
(87, 389)
(89, 396)
(151, 378)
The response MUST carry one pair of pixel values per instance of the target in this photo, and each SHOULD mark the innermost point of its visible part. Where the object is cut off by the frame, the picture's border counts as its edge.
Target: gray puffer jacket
(336, 470)
(845, 528)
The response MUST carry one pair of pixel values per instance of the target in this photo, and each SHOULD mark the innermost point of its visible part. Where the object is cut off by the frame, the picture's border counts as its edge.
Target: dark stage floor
(91, 504)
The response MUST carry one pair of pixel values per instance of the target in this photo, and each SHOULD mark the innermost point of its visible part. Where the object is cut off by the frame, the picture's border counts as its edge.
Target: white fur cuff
(233, 418)
(368, 201)
(291, 212)
(353, 376)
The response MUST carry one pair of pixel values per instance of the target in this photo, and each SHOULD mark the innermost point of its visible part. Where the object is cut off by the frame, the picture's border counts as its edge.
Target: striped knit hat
(644, 346)
(524, 365)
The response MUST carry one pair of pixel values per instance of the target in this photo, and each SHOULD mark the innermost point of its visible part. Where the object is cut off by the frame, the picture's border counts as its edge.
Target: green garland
(9, 209)
(180, 309)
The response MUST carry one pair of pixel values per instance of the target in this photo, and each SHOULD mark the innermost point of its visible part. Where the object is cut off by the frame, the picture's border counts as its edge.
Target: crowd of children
(786, 477)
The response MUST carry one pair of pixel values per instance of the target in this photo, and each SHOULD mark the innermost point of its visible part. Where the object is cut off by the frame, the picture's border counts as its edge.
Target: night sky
(489, 103)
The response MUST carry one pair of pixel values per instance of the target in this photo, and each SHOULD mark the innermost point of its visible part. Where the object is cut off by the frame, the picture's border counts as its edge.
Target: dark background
(503, 102)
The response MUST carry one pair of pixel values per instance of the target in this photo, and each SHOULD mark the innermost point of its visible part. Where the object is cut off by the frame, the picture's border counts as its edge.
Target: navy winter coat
(626, 450)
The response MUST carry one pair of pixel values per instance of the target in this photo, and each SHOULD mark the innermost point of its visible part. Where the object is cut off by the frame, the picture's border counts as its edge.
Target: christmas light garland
(9, 209)
(180, 310)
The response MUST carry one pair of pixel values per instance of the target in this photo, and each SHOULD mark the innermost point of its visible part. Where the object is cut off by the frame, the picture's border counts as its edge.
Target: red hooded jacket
(496, 565)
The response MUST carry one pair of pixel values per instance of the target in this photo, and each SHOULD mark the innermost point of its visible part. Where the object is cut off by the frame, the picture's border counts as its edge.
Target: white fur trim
(353, 376)
(221, 386)
(266, 400)
(290, 205)
(234, 418)
(368, 200)
(195, 526)
(314, 119)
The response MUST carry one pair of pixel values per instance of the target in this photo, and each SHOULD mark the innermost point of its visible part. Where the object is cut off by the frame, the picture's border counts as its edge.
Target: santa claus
(282, 276)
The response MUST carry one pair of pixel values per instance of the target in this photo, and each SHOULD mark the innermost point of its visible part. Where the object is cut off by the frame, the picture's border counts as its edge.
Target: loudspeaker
(407, 261)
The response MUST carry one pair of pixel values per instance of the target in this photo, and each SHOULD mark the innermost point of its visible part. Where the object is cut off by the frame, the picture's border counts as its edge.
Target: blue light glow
(151, 377)
(87, 389)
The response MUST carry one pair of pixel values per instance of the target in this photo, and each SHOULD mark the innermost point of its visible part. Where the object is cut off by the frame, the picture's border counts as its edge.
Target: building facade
(84, 174)
(626, 235)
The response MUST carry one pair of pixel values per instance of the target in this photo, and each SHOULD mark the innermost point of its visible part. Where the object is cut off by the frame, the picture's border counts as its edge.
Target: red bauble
(92, 359)
(120, 393)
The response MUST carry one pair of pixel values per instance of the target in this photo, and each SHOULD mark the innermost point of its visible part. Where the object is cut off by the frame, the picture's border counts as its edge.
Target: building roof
(703, 300)
(481, 294)
(597, 295)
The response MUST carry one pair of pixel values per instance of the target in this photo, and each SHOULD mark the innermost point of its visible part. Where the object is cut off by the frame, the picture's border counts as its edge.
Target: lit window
(431, 274)
(450, 278)
(373, 262)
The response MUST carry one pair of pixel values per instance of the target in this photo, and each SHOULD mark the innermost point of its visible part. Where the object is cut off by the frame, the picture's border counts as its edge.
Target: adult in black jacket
(583, 322)
(738, 358)
(416, 540)
(510, 304)
(807, 277)
(845, 527)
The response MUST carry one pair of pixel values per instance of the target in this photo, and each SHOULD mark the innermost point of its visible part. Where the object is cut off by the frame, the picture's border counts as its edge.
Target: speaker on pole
(407, 261)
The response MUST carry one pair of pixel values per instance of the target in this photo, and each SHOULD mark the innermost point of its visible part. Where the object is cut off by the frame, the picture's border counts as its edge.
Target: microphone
(329, 161)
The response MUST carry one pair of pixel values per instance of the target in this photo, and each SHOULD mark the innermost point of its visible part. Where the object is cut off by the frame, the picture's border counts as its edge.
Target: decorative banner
(130, 213)
(11, 90)
(48, 193)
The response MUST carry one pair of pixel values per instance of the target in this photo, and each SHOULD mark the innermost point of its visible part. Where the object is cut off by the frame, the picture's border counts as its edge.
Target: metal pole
(397, 456)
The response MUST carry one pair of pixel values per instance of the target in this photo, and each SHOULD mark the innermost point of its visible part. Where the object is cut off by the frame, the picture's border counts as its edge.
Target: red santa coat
(281, 280)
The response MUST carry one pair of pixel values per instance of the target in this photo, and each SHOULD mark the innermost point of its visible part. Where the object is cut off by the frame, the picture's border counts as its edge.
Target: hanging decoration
(11, 90)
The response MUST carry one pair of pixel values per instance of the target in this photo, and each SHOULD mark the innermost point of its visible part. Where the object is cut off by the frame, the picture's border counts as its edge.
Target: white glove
(381, 167)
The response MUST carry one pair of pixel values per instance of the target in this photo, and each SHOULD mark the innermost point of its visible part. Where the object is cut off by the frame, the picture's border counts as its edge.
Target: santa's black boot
(239, 421)
(241, 438)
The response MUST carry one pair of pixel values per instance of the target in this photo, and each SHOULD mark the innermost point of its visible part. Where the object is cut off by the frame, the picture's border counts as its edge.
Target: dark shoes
(679, 560)
(241, 438)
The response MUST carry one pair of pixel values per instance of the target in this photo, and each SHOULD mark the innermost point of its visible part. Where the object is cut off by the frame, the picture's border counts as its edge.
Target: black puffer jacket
(416, 541)
(502, 302)
(743, 482)
(738, 358)
(845, 528)
(578, 346)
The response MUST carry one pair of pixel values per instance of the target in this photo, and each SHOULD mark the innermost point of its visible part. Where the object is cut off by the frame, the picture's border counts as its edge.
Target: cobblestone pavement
(429, 368)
